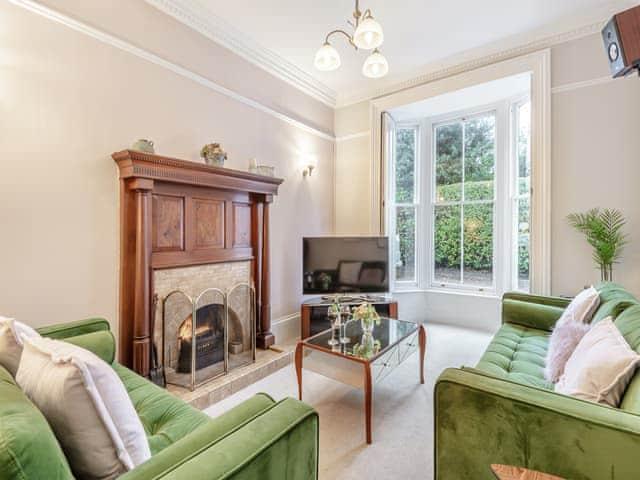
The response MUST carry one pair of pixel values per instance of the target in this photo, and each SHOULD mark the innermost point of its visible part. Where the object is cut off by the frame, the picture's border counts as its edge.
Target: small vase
(367, 327)
(368, 342)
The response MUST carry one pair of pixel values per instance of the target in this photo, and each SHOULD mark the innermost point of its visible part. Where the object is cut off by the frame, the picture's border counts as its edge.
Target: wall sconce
(310, 165)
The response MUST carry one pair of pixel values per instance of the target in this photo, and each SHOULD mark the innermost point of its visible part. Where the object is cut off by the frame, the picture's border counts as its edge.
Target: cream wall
(353, 169)
(595, 162)
(68, 101)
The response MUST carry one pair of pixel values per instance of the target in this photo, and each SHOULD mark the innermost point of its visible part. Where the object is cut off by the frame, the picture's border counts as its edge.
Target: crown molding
(123, 45)
(477, 58)
(198, 18)
(567, 87)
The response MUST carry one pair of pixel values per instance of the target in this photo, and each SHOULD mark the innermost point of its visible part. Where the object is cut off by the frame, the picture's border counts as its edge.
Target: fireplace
(222, 337)
(179, 215)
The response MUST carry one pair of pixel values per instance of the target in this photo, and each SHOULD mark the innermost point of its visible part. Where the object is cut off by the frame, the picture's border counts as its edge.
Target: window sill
(464, 293)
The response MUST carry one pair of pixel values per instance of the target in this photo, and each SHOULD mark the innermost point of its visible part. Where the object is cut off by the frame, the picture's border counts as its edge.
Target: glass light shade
(375, 66)
(368, 35)
(327, 58)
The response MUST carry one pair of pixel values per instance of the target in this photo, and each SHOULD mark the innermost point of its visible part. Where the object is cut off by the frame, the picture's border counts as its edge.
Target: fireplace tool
(156, 372)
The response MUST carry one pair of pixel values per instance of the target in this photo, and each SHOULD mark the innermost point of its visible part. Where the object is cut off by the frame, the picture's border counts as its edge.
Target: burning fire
(184, 332)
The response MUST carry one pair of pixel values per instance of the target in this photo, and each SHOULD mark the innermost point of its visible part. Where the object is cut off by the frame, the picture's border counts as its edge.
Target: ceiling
(418, 33)
(468, 98)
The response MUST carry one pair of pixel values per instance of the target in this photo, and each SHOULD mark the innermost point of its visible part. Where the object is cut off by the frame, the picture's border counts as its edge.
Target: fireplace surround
(182, 214)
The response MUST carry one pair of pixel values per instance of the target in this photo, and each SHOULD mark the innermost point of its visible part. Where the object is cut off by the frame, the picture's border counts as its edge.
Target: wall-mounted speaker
(622, 42)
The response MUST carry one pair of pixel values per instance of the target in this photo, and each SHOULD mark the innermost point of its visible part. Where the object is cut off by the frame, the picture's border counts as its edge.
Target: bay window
(459, 206)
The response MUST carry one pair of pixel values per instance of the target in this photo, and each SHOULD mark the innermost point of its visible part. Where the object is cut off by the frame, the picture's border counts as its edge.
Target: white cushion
(569, 330)
(12, 333)
(600, 367)
(86, 405)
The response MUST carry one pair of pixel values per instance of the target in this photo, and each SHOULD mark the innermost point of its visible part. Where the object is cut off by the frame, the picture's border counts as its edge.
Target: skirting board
(286, 329)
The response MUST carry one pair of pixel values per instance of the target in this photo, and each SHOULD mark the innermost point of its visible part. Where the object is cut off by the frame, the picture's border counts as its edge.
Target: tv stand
(313, 312)
(349, 299)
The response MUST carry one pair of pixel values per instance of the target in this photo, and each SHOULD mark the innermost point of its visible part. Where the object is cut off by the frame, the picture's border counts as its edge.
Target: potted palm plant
(603, 231)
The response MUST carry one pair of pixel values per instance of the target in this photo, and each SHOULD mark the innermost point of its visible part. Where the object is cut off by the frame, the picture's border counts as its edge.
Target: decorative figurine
(143, 145)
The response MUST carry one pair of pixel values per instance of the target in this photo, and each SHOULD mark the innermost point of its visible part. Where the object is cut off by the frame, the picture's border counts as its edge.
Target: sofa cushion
(601, 366)
(517, 353)
(12, 334)
(614, 299)
(28, 447)
(165, 418)
(629, 325)
(86, 405)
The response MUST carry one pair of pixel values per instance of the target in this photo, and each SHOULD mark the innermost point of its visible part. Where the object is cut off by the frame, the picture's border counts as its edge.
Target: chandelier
(367, 35)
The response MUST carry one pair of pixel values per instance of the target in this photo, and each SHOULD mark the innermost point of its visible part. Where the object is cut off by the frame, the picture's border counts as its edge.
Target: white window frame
(433, 123)
(514, 194)
(416, 205)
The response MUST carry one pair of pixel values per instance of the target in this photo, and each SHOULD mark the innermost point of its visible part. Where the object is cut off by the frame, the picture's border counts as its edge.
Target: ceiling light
(367, 36)
(327, 58)
(375, 66)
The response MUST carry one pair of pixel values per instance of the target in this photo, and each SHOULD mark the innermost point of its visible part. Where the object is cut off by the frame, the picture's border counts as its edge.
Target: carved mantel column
(141, 352)
(265, 338)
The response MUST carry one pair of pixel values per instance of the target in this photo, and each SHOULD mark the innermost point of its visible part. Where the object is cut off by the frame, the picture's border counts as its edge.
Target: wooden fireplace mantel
(178, 213)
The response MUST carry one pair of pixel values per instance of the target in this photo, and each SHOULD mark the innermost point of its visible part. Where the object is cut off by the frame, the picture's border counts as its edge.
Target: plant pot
(215, 159)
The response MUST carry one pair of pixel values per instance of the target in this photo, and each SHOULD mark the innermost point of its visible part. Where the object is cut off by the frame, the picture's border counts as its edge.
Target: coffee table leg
(367, 400)
(299, 368)
(422, 339)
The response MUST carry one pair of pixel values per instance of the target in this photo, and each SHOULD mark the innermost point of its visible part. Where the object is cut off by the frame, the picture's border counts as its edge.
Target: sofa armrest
(73, 329)
(94, 334)
(532, 311)
(480, 420)
(279, 442)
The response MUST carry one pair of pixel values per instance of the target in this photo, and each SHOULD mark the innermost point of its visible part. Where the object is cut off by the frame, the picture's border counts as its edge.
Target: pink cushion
(600, 367)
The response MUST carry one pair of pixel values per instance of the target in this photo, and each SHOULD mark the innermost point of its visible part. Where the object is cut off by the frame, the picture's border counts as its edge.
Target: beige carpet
(402, 411)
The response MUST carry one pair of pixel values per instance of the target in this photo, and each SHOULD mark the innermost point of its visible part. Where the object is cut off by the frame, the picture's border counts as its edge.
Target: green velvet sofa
(258, 439)
(504, 411)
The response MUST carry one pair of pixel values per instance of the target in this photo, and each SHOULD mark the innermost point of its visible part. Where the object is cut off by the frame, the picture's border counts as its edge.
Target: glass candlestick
(334, 318)
(345, 313)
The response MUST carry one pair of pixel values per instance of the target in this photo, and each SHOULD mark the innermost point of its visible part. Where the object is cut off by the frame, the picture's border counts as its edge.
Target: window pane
(524, 151)
(479, 158)
(524, 216)
(447, 244)
(478, 245)
(448, 162)
(405, 164)
(405, 248)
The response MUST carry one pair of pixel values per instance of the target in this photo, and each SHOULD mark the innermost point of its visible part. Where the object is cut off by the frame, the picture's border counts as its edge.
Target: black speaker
(621, 38)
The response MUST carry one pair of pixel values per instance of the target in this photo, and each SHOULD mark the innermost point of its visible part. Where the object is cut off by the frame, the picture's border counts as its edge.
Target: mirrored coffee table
(351, 364)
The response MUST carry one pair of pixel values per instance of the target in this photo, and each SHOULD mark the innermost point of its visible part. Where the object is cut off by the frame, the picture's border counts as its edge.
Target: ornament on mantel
(143, 145)
(213, 154)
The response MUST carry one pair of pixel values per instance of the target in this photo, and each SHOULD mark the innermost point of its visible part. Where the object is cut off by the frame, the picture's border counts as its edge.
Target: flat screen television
(345, 265)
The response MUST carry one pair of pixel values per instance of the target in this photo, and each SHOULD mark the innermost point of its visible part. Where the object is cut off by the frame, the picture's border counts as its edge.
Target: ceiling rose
(367, 35)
